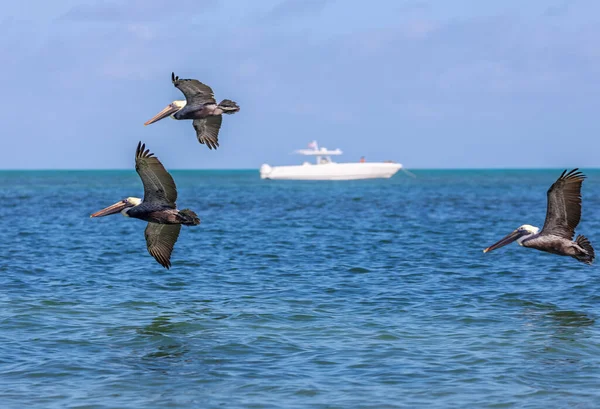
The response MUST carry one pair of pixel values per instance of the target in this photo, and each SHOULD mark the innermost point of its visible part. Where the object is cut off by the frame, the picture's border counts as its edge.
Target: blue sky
(431, 84)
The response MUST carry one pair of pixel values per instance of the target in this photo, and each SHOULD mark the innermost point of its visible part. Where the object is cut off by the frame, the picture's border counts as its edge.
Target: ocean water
(360, 294)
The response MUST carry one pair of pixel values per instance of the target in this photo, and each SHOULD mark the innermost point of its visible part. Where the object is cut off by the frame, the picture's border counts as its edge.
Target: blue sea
(357, 294)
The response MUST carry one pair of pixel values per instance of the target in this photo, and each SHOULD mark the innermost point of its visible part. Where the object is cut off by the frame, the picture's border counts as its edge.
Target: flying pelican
(201, 106)
(158, 207)
(562, 216)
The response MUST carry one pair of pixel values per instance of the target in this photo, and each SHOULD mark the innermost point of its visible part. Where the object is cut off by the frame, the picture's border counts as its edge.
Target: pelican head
(522, 233)
(121, 206)
(169, 110)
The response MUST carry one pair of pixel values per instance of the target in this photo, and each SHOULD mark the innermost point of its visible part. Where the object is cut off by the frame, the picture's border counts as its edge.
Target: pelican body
(562, 217)
(201, 107)
(158, 207)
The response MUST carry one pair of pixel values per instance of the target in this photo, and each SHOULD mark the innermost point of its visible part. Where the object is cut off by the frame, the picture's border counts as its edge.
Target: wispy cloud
(135, 10)
(559, 9)
(296, 8)
(415, 5)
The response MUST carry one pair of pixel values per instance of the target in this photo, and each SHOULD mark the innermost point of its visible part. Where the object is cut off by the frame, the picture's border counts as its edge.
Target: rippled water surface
(361, 294)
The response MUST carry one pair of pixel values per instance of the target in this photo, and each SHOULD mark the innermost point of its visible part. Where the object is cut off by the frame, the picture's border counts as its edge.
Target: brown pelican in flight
(201, 106)
(158, 207)
(562, 216)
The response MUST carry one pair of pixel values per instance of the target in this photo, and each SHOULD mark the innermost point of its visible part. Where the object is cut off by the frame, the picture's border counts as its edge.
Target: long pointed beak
(506, 240)
(112, 209)
(169, 110)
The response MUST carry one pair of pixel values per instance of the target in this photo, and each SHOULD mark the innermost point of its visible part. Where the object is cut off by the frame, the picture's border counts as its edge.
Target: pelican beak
(169, 110)
(506, 240)
(112, 209)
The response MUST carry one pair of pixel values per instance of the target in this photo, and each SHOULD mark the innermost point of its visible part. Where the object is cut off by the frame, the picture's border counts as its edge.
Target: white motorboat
(327, 169)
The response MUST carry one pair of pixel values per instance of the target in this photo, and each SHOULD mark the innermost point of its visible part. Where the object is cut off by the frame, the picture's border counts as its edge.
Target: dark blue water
(363, 294)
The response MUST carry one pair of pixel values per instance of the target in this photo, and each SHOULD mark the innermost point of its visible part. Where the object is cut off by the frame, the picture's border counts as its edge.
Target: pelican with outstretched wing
(562, 217)
(158, 207)
(201, 106)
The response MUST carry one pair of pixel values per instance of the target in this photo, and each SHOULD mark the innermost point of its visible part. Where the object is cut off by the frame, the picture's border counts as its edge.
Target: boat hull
(331, 171)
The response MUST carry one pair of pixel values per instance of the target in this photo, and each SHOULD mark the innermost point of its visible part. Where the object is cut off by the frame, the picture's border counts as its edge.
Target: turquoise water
(361, 294)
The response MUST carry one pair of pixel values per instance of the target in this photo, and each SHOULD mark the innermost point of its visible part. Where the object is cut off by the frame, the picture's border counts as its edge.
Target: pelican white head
(122, 206)
(526, 230)
(131, 202)
(522, 233)
(169, 110)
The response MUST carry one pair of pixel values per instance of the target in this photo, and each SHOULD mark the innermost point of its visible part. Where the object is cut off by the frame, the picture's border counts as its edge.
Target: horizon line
(257, 169)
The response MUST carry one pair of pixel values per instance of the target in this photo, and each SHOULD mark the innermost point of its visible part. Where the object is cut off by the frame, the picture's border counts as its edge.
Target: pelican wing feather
(196, 93)
(160, 240)
(564, 205)
(207, 130)
(159, 186)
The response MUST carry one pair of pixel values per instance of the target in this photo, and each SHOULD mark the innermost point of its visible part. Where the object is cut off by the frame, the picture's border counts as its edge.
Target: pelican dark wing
(196, 93)
(160, 239)
(159, 186)
(564, 205)
(207, 130)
